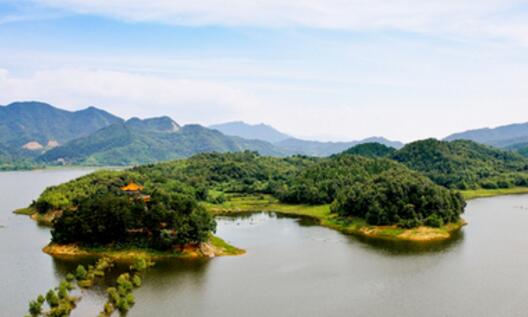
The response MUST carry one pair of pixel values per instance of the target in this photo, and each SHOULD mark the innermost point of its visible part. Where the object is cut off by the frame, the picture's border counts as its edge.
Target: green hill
(464, 164)
(317, 148)
(146, 141)
(372, 149)
(47, 126)
(521, 148)
(393, 193)
(320, 182)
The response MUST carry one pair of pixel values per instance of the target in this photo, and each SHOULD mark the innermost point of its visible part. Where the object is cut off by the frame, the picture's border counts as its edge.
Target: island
(168, 209)
(132, 221)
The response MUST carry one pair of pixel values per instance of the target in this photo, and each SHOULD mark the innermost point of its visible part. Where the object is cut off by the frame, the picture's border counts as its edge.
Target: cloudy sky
(325, 69)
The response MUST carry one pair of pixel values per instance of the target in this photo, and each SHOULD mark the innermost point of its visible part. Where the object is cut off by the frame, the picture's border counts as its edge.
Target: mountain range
(244, 130)
(43, 134)
(48, 135)
(292, 145)
(512, 136)
(34, 125)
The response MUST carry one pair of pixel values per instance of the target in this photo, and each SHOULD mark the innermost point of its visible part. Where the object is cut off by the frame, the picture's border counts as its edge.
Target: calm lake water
(292, 267)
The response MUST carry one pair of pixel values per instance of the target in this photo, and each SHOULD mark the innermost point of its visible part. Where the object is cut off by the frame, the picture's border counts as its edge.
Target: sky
(319, 69)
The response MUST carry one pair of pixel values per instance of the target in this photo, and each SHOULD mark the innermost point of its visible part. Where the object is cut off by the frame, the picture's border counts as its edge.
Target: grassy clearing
(322, 213)
(225, 248)
(268, 203)
(42, 219)
(25, 211)
(480, 193)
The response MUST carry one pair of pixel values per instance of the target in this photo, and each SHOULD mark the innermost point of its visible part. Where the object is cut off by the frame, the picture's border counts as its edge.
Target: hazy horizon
(326, 70)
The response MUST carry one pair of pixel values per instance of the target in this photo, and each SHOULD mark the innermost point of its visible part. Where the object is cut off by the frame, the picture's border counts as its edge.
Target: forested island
(371, 190)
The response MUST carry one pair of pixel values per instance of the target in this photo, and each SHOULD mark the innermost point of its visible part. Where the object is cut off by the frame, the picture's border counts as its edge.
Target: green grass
(226, 248)
(25, 211)
(479, 193)
(236, 204)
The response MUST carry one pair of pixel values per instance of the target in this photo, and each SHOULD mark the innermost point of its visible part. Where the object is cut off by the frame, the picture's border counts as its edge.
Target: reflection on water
(391, 247)
(293, 267)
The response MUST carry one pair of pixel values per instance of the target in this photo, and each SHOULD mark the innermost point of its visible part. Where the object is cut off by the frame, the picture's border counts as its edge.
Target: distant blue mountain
(244, 130)
(503, 137)
(317, 148)
(293, 145)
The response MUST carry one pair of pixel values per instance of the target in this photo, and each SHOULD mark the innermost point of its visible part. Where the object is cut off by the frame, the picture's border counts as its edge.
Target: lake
(293, 267)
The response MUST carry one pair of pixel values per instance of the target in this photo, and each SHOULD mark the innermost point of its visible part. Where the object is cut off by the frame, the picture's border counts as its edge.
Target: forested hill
(503, 136)
(44, 126)
(36, 133)
(465, 164)
(394, 194)
(151, 140)
(521, 148)
(371, 149)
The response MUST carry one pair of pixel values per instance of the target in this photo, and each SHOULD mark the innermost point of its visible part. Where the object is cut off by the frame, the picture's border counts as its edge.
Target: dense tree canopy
(320, 183)
(116, 217)
(407, 199)
(244, 172)
(381, 190)
(464, 164)
(372, 149)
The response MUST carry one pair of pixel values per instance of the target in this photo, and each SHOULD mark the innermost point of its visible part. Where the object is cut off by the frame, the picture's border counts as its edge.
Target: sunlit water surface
(293, 267)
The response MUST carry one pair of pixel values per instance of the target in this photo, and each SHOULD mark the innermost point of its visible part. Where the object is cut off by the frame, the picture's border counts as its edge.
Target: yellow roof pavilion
(132, 187)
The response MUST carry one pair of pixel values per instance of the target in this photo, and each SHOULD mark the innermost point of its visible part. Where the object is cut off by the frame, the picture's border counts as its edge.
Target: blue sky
(331, 70)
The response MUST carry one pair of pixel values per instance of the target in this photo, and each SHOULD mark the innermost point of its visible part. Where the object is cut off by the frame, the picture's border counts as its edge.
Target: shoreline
(485, 193)
(213, 248)
(321, 213)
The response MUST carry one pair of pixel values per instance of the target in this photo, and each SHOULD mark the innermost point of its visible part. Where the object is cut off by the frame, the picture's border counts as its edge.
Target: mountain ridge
(42, 123)
(501, 136)
(260, 131)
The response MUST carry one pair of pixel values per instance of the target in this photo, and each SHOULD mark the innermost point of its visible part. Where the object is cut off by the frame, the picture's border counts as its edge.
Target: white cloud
(455, 17)
(127, 94)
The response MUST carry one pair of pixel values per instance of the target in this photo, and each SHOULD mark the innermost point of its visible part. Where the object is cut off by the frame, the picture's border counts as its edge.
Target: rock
(207, 250)
(33, 146)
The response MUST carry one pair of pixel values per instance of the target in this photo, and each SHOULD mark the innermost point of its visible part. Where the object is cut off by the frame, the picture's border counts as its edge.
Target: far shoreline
(486, 193)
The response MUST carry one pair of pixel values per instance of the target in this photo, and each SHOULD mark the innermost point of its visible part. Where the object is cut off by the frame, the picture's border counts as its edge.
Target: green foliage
(80, 272)
(370, 150)
(140, 142)
(67, 195)
(523, 151)
(407, 199)
(136, 280)
(320, 182)
(70, 277)
(116, 217)
(52, 299)
(35, 307)
(120, 297)
(465, 164)
(141, 264)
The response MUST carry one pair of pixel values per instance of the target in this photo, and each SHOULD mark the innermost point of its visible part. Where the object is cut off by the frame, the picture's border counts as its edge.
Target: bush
(52, 299)
(80, 272)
